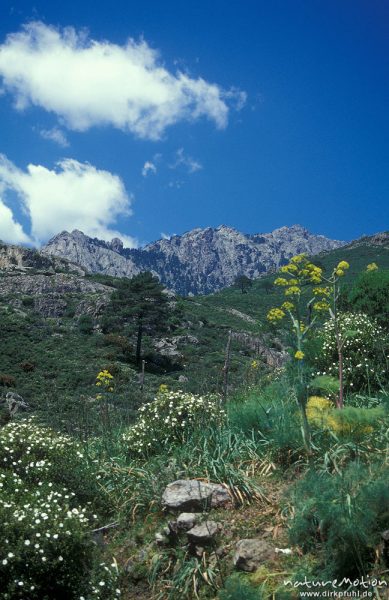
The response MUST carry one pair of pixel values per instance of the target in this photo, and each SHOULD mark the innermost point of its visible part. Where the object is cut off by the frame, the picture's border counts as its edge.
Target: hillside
(176, 496)
(200, 261)
(45, 308)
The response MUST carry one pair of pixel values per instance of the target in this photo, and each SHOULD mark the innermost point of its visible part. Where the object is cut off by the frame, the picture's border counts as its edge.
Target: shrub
(28, 301)
(85, 324)
(47, 503)
(343, 515)
(370, 295)
(237, 589)
(27, 366)
(351, 420)
(169, 419)
(7, 380)
(364, 349)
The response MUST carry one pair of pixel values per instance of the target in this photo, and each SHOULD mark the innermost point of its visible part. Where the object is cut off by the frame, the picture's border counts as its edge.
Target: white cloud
(11, 231)
(74, 195)
(55, 135)
(87, 82)
(148, 167)
(182, 159)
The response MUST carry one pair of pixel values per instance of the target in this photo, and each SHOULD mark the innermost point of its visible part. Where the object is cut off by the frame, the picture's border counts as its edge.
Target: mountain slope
(200, 261)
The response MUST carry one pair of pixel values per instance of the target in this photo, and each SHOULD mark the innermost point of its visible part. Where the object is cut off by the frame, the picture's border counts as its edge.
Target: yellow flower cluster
(318, 409)
(372, 267)
(341, 268)
(104, 379)
(321, 291)
(294, 290)
(275, 314)
(281, 281)
(299, 355)
(254, 365)
(322, 305)
(336, 423)
(163, 388)
(287, 305)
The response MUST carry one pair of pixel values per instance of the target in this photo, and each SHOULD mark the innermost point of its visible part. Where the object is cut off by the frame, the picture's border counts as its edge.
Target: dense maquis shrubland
(231, 446)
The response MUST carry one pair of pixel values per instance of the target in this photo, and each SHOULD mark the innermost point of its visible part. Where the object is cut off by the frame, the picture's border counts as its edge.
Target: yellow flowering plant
(299, 272)
(104, 380)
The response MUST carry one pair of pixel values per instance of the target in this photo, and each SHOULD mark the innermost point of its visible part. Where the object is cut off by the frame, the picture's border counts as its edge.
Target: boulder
(187, 520)
(250, 554)
(14, 403)
(204, 533)
(191, 494)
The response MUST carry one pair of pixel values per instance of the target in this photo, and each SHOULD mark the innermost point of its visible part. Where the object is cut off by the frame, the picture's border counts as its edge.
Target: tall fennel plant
(302, 312)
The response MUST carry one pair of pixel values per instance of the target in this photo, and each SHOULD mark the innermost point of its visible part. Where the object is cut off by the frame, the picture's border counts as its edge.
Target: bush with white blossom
(365, 351)
(170, 419)
(47, 548)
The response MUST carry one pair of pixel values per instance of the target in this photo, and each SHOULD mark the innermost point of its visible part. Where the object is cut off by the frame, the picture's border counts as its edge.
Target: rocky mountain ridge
(200, 261)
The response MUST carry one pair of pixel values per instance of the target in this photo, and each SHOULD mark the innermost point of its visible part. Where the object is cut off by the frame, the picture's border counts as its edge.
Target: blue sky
(253, 114)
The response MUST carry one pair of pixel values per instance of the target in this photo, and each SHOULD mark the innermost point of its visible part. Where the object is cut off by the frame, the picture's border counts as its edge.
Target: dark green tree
(243, 283)
(370, 295)
(142, 303)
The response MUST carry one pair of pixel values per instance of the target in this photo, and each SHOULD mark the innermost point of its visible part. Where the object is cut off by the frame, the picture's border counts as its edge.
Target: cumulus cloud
(11, 231)
(182, 159)
(55, 135)
(87, 82)
(73, 195)
(148, 167)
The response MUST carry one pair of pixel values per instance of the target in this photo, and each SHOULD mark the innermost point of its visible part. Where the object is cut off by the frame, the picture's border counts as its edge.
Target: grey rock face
(190, 494)
(198, 262)
(187, 520)
(204, 533)
(96, 256)
(51, 293)
(250, 554)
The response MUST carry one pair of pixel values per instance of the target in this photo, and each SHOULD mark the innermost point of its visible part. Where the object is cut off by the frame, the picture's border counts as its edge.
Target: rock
(187, 520)
(183, 379)
(283, 551)
(15, 403)
(161, 539)
(204, 533)
(189, 494)
(200, 261)
(250, 554)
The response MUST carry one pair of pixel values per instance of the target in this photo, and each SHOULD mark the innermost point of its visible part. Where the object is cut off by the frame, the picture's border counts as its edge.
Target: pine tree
(142, 303)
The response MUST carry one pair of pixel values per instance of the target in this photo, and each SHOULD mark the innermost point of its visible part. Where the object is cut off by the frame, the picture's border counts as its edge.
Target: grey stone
(15, 402)
(187, 520)
(161, 539)
(203, 533)
(191, 494)
(250, 554)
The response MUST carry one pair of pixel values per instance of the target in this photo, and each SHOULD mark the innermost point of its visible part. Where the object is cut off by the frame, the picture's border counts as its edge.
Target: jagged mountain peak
(199, 261)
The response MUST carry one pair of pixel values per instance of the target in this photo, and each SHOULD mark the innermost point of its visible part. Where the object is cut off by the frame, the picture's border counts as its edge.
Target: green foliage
(342, 515)
(85, 324)
(370, 295)
(141, 304)
(48, 497)
(243, 283)
(169, 419)
(236, 588)
(325, 383)
(271, 418)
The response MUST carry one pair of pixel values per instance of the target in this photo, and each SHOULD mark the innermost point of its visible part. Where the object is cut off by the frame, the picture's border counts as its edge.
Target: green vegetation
(88, 470)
